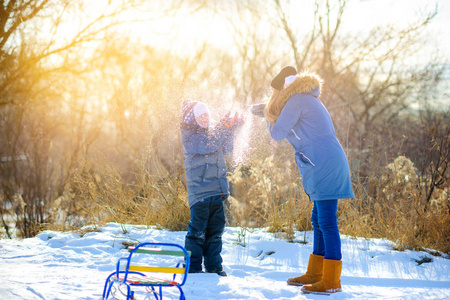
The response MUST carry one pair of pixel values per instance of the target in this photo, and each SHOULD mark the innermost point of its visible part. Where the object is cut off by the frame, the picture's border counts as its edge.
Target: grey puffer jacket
(204, 152)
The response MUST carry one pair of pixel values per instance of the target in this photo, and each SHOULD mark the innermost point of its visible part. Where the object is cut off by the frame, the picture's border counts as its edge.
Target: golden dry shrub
(393, 205)
(102, 195)
(268, 193)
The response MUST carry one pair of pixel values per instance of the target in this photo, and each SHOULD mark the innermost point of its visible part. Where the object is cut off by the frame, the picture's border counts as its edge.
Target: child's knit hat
(192, 110)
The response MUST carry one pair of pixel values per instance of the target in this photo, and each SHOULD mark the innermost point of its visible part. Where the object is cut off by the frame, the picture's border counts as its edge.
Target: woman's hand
(258, 109)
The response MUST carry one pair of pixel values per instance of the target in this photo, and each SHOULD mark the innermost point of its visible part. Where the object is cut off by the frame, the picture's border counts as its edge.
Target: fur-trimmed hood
(305, 83)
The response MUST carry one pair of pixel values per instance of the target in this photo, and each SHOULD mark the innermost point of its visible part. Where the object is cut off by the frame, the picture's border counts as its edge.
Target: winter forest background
(91, 92)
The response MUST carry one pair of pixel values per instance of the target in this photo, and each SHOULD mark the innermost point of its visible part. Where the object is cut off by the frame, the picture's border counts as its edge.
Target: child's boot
(313, 272)
(331, 280)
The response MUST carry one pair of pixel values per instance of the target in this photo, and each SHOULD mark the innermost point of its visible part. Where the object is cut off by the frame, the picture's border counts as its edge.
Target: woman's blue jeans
(327, 241)
(204, 236)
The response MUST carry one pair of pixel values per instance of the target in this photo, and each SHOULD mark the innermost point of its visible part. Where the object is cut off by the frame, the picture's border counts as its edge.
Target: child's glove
(258, 109)
(227, 121)
(238, 121)
(233, 122)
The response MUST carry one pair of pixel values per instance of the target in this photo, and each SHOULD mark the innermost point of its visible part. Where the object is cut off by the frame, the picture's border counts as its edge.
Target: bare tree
(36, 62)
(369, 79)
(431, 150)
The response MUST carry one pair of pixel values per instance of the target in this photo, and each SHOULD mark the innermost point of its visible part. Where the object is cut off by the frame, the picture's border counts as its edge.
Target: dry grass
(393, 206)
(268, 193)
(103, 196)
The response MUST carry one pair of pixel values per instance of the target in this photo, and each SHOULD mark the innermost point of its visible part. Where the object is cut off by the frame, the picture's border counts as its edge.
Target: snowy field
(63, 265)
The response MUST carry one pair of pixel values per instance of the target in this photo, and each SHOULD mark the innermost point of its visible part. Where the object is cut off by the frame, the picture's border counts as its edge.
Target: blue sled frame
(181, 268)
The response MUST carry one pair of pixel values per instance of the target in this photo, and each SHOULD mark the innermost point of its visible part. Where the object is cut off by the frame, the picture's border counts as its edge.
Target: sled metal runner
(151, 277)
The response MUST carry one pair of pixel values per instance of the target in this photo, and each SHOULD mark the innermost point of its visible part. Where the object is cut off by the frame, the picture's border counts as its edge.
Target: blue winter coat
(206, 171)
(306, 124)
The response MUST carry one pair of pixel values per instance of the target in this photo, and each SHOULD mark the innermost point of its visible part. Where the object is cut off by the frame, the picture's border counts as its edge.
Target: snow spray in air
(242, 140)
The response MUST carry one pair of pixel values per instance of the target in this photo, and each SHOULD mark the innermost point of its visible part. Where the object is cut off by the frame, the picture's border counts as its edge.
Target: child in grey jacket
(207, 183)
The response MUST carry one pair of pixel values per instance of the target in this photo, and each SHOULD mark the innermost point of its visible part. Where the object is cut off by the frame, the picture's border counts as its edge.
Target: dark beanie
(278, 81)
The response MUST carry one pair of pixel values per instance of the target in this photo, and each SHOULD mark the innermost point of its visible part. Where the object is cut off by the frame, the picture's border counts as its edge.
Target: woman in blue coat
(295, 113)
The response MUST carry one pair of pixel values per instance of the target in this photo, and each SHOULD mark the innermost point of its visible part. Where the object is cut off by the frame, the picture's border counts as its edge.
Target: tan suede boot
(331, 280)
(313, 272)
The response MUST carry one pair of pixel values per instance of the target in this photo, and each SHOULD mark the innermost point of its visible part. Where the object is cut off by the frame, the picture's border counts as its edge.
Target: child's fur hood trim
(304, 83)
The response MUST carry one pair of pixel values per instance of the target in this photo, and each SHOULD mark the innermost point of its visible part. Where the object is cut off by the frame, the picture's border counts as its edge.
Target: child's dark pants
(204, 237)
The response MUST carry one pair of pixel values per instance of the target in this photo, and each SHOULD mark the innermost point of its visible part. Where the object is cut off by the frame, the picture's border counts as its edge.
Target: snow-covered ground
(63, 265)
